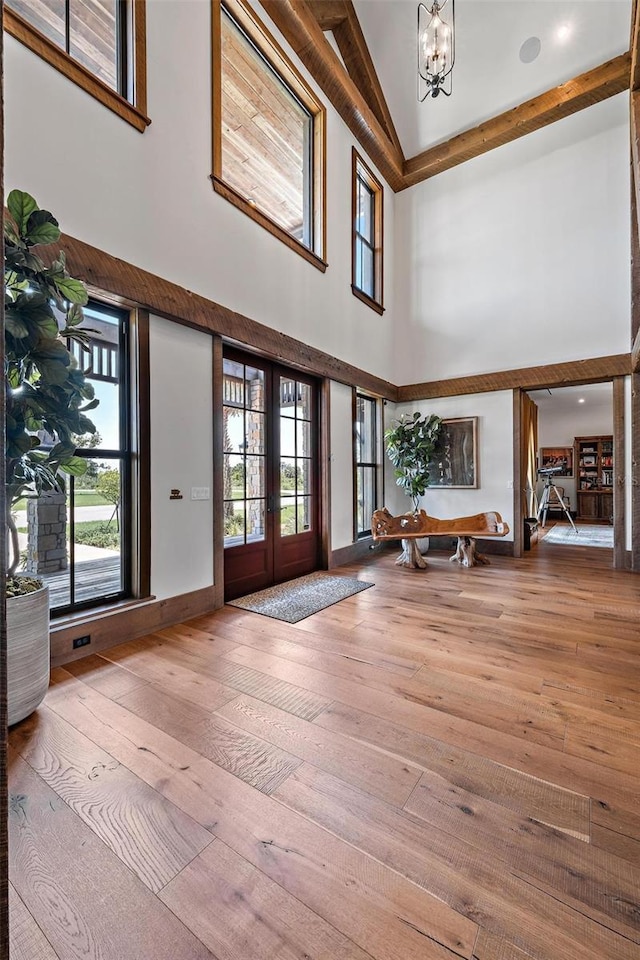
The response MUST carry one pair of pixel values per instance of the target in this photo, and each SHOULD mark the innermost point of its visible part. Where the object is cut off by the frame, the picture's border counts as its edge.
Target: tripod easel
(549, 485)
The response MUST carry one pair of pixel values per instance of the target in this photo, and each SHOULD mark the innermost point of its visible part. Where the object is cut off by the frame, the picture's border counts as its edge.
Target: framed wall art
(557, 457)
(456, 462)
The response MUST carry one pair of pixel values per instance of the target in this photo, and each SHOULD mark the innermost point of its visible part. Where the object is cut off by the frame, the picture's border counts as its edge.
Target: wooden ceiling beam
(635, 259)
(635, 229)
(635, 355)
(296, 21)
(565, 374)
(582, 91)
(635, 46)
(357, 59)
(329, 13)
(635, 221)
(120, 282)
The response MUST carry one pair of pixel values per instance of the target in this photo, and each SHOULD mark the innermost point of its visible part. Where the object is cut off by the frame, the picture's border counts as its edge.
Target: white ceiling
(489, 76)
(561, 400)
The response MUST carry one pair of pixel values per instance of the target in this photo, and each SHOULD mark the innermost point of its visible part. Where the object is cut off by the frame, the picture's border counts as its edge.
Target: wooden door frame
(278, 371)
(324, 444)
(4, 798)
(518, 513)
(217, 487)
(323, 454)
(621, 560)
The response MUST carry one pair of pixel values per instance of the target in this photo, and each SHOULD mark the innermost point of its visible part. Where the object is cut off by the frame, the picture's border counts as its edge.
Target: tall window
(268, 132)
(99, 44)
(366, 462)
(95, 523)
(366, 281)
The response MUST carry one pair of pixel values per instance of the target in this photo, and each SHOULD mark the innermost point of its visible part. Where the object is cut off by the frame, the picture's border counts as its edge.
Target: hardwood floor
(446, 765)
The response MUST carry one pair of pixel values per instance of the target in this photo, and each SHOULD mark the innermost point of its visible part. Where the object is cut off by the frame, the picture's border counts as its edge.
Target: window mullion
(122, 47)
(67, 26)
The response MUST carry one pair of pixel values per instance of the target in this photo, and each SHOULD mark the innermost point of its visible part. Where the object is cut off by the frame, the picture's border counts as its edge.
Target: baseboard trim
(111, 627)
(352, 553)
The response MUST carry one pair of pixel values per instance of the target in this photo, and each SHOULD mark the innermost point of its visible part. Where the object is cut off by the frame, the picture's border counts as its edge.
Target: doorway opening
(569, 488)
(270, 474)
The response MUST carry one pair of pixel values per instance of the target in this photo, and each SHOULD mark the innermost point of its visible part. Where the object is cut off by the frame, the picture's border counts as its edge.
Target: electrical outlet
(199, 493)
(81, 642)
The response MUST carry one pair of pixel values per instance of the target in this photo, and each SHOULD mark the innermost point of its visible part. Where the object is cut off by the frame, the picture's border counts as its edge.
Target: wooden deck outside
(93, 578)
(443, 766)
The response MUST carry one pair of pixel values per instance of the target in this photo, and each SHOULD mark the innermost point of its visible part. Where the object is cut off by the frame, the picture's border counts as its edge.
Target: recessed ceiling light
(563, 33)
(581, 400)
(530, 49)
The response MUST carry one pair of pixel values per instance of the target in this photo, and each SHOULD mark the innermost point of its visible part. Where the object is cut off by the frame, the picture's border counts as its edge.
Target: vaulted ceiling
(489, 76)
(520, 64)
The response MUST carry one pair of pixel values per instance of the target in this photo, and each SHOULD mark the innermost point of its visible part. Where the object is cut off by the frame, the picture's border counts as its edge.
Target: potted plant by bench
(411, 446)
(47, 396)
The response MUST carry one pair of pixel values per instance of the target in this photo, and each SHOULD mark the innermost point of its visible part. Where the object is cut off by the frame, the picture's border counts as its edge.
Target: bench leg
(411, 556)
(466, 553)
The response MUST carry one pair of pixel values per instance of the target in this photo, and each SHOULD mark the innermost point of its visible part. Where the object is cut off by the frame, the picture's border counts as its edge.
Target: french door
(270, 470)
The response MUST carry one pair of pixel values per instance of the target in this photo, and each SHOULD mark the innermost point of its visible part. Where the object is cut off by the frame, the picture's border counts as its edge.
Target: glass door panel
(244, 446)
(296, 462)
(271, 531)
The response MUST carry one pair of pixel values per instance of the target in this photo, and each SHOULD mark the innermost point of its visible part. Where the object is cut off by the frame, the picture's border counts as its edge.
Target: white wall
(516, 258)
(559, 426)
(519, 257)
(628, 464)
(181, 458)
(341, 466)
(495, 458)
(148, 199)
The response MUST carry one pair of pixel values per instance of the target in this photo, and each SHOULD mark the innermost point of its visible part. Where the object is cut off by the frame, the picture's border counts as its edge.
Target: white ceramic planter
(28, 656)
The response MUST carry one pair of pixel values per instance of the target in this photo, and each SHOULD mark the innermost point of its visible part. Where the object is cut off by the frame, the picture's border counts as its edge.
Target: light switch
(199, 493)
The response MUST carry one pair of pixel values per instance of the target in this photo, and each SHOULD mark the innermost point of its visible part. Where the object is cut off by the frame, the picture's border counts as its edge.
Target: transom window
(366, 462)
(97, 43)
(366, 280)
(268, 132)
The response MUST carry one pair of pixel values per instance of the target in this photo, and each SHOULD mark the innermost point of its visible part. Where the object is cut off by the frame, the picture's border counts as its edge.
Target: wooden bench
(413, 526)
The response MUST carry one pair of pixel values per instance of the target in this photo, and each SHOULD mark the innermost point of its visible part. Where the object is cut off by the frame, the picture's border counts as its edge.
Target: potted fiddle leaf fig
(411, 446)
(47, 400)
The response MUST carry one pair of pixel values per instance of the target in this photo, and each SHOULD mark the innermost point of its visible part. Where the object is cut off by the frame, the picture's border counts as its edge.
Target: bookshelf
(594, 478)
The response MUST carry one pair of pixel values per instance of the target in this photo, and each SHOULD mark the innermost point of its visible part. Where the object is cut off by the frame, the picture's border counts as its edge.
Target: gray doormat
(588, 535)
(297, 599)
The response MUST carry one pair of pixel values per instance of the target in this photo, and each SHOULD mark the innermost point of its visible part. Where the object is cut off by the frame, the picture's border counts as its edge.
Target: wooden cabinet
(594, 478)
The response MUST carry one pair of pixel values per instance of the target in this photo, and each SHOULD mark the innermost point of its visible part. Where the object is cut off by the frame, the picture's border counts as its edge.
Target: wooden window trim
(140, 379)
(140, 493)
(357, 163)
(292, 78)
(222, 187)
(134, 113)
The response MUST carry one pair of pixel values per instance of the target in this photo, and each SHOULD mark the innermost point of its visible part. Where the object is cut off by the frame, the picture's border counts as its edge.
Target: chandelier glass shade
(436, 48)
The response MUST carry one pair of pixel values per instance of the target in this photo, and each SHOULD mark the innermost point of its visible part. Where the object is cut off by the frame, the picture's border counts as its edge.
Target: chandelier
(436, 49)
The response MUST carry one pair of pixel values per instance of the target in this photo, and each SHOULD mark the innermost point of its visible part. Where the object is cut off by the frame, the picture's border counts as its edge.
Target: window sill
(367, 299)
(74, 71)
(96, 613)
(238, 201)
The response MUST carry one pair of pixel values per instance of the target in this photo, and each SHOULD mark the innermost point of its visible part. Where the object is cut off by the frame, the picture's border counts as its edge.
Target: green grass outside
(84, 498)
(95, 533)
